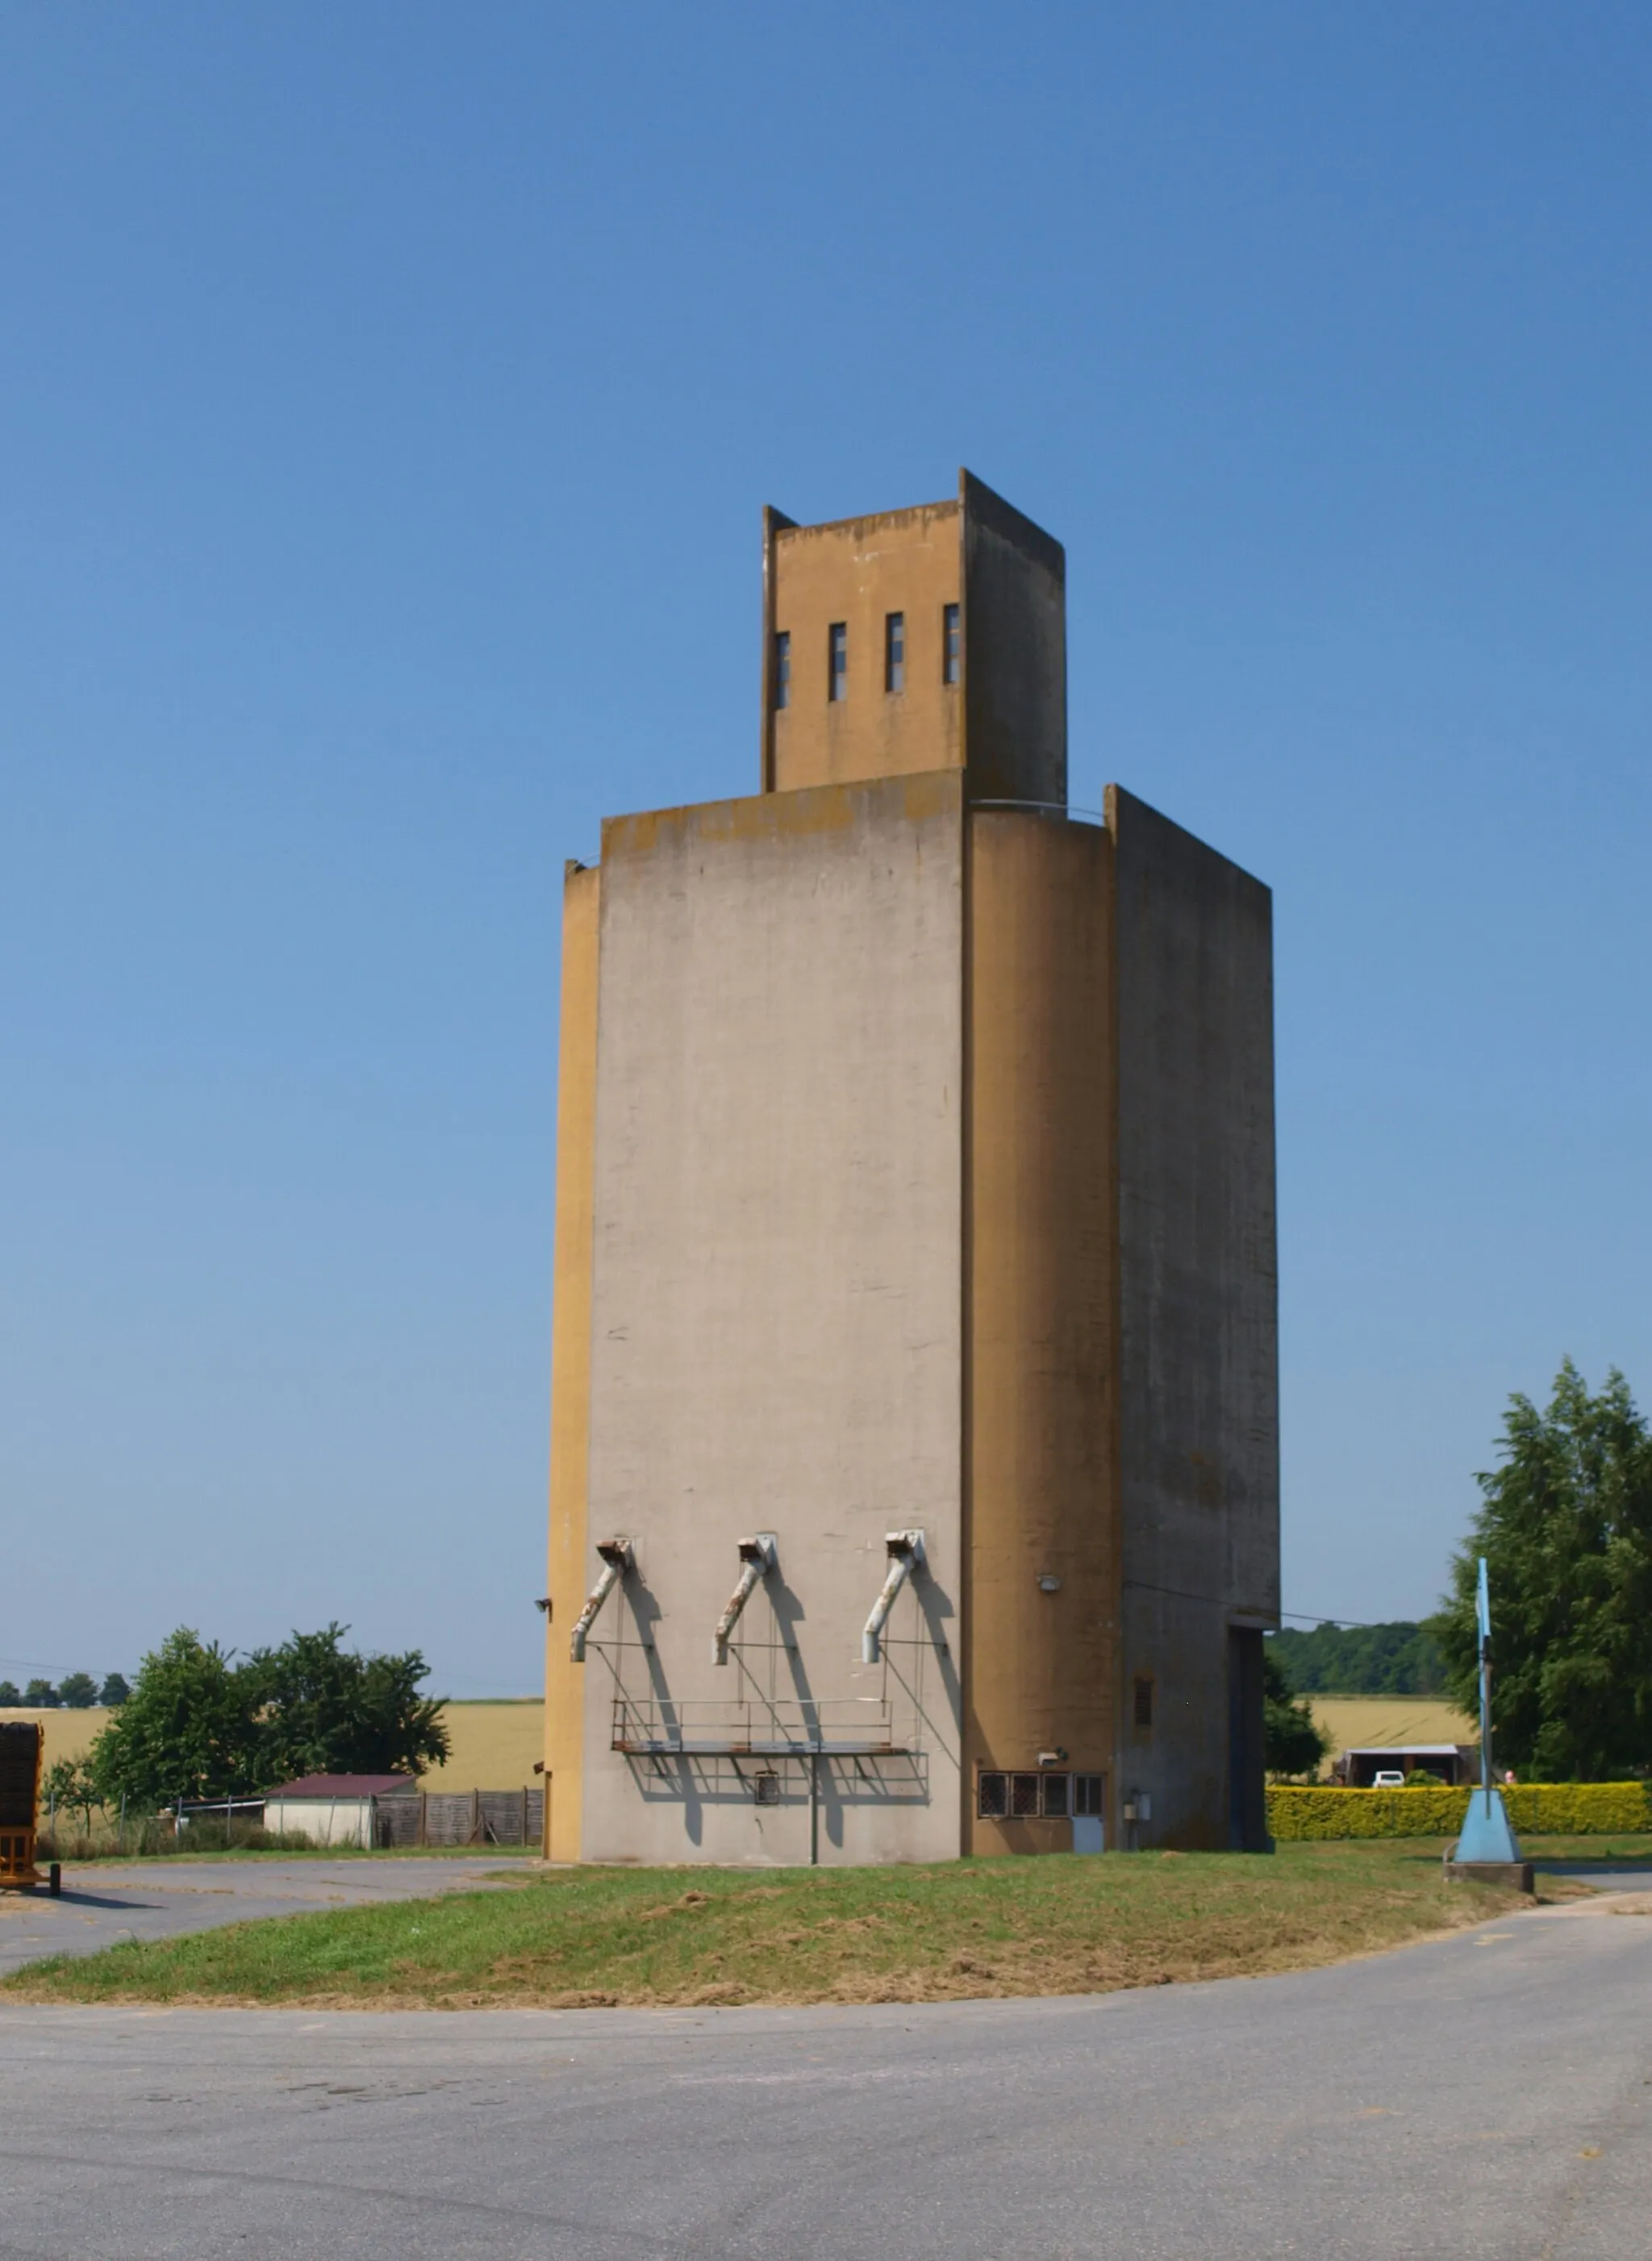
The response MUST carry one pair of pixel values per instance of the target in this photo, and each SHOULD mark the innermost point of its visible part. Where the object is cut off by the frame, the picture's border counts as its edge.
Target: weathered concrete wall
(857, 572)
(776, 1338)
(1014, 651)
(570, 1355)
(1199, 1437)
(1042, 1667)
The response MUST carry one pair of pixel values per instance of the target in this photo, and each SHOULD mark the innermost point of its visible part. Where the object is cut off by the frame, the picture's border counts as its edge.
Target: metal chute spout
(906, 1555)
(617, 1559)
(758, 1557)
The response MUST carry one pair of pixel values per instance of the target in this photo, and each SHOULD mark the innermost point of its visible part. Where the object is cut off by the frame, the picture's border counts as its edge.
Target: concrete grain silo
(915, 1438)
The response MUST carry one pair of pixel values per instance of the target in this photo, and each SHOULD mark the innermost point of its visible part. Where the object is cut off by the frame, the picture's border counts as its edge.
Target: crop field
(494, 1744)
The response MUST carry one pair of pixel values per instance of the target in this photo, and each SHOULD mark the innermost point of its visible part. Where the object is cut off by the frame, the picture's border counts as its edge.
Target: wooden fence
(472, 1816)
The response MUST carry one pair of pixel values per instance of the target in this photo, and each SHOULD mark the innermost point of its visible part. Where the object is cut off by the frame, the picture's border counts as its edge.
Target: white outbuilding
(335, 1809)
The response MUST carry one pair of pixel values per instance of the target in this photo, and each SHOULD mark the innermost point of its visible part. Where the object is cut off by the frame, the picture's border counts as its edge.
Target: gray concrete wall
(1014, 651)
(1199, 1422)
(776, 1332)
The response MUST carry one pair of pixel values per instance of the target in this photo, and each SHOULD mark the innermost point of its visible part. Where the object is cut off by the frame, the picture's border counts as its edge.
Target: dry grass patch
(595, 1937)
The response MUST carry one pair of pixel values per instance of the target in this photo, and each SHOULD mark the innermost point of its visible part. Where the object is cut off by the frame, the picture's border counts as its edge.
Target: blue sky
(389, 396)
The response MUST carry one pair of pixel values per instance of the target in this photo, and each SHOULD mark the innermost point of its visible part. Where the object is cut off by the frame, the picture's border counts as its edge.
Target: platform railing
(735, 1726)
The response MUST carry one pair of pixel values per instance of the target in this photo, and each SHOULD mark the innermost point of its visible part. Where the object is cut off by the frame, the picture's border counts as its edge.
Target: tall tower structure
(913, 1463)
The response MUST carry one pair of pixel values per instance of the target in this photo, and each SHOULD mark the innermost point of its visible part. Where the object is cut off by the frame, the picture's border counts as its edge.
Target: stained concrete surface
(1488, 2096)
(776, 1322)
(105, 1903)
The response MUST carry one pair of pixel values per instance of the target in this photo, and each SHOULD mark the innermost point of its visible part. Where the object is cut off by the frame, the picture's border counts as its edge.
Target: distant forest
(1384, 1660)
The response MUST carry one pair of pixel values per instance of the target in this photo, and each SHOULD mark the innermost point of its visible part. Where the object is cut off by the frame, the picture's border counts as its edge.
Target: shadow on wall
(778, 1780)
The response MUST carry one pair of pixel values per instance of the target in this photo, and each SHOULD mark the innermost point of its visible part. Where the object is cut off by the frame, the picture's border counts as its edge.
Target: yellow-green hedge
(1558, 1809)
(1578, 1809)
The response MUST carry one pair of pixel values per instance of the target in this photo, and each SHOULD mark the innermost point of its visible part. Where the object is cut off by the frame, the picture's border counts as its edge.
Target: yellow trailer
(21, 1741)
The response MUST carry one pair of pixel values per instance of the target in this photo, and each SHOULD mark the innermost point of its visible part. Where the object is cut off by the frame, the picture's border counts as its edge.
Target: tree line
(1398, 1659)
(78, 1691)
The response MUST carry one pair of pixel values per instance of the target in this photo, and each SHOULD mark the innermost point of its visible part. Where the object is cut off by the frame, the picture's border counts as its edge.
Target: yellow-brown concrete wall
(1040, 1487)
(570, 1359)
(859, 570)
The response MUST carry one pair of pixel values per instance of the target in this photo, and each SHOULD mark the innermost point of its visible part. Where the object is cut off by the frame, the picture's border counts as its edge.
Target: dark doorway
(1247, 1794)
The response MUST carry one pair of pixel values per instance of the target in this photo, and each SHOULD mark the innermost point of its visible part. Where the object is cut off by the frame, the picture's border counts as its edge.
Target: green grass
(1623, 1847)
(581, 1937)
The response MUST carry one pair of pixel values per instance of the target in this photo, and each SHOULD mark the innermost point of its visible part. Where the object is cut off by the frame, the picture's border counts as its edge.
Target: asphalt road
(103, 1902)
(1486, 2096)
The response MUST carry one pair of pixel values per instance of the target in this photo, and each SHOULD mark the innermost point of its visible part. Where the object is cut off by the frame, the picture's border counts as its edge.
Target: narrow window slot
(783, 668)
(894, 651)
(837, 661)
(952, 644)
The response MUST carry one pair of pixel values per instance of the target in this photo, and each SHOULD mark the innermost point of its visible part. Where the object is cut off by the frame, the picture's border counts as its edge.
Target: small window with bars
(894, 651)
(837, 661)
(952, 643)
(783, 668)
(1041, 1797)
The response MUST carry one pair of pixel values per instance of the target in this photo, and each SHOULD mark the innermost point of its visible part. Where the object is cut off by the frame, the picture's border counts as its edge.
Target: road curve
(1487, 2096)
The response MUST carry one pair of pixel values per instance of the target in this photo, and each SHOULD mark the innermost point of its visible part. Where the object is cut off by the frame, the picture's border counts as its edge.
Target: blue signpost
(1486, 1834)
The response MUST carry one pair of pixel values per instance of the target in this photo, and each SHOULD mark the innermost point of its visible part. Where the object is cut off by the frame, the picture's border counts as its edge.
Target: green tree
(70, 1786)
(188, 1728)
(323, 1709)
(1292, 1742)
(42, 1695)
(114, 1692)
(10, 1692)
(1566, 1529)
(78, 1690)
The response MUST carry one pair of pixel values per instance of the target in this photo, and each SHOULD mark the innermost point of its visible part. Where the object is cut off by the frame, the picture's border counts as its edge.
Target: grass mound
(589, 1937)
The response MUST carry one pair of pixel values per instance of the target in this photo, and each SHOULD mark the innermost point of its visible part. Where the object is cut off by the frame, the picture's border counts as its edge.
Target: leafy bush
(1579, 1808)
(1560, 1809)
